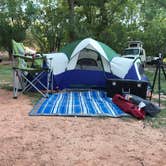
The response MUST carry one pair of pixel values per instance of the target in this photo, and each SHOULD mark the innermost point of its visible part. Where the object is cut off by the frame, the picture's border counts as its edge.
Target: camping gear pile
(136, 106)
(84, 64)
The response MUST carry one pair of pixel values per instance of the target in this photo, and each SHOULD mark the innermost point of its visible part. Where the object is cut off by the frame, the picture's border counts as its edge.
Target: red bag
(128, 107)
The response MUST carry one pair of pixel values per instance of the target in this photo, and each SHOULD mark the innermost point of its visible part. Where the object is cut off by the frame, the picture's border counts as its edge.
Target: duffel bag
(128, 107)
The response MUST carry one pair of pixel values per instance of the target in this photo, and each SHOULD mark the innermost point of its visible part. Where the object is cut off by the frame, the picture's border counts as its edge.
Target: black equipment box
(121, 86)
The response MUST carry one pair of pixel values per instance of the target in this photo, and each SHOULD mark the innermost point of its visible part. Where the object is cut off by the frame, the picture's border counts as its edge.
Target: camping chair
(27, 71)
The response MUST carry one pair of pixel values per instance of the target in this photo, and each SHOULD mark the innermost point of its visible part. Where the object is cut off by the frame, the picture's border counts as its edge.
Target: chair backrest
(18, 48)
(25, 61)
(17, 51)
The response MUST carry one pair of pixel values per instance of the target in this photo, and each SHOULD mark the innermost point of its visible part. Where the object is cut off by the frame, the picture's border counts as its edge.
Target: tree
(154, 26)
(48, 25)
(55, 23)
(13, 22)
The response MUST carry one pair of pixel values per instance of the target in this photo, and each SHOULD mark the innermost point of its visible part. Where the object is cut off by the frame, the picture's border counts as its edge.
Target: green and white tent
(89, 54)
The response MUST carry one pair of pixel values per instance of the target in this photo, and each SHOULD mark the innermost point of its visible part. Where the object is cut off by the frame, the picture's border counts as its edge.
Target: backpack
(149, 108)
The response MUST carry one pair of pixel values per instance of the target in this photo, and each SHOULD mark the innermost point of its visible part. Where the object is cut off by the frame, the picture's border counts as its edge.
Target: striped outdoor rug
(85, 103)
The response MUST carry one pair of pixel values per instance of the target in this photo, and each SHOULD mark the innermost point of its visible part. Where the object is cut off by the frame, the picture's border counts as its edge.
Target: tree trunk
(72, 36)
(9, 50)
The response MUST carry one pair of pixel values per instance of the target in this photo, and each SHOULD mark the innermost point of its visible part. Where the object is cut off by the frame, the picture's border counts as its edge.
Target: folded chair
(28, 71)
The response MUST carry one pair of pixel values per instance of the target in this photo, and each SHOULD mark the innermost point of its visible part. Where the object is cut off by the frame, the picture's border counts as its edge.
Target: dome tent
(92, 62)
(89, 64)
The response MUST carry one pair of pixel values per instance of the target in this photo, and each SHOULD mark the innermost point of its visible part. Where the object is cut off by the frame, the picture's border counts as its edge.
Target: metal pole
(154, 80)
(159, 86)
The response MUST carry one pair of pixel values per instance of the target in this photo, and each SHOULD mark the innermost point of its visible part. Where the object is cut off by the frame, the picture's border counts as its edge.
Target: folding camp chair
(28, 71)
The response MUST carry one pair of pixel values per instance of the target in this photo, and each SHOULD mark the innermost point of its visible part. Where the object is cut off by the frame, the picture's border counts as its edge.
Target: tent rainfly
(89, 54)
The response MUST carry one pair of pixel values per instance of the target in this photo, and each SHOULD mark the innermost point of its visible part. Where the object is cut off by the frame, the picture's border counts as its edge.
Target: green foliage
(154, 23)
(55, 23)
(13, 22)
(47, 27)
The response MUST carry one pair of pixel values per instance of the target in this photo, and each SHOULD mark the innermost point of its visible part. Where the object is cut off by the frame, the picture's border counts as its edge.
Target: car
(154, 60)
(135, 50)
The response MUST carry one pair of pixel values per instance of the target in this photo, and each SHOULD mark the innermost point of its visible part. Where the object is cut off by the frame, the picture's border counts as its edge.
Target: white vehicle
(134, 51)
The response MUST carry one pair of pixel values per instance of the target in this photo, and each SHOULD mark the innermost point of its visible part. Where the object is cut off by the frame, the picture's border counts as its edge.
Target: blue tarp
(77, 103)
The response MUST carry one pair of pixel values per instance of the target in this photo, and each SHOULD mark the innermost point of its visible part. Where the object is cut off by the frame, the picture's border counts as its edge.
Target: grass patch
(5, 73)
(150, 72)
(6, 81)
(6, 76)
(160, 119)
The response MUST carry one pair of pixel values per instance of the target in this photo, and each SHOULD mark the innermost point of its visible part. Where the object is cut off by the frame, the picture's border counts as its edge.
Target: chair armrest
(28, 57)
(24, 57)
(35, 58)
(28, 61)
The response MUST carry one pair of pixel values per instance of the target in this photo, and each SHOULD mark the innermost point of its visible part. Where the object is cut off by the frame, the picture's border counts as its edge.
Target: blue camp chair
(28, 71)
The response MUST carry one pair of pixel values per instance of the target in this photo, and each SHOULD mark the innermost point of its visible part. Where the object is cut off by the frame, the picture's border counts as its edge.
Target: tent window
(87, 62)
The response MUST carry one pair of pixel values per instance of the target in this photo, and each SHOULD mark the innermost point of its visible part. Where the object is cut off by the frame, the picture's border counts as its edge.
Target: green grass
(150, 72)
(158, 121)
(5, 73)
(6, 81)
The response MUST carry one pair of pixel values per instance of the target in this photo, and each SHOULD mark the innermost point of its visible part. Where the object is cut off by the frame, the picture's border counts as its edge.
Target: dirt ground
(69, 141)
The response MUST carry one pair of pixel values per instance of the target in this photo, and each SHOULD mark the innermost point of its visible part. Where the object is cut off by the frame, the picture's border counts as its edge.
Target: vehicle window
(141, 53)
(131, 52)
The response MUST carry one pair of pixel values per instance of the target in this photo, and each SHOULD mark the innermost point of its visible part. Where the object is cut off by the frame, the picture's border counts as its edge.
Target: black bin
(121, 86)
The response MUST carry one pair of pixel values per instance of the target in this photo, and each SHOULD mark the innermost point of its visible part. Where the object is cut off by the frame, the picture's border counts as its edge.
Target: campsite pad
(78, 103)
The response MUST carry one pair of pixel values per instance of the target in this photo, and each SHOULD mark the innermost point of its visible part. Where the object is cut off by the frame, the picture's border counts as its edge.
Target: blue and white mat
(85, 103)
